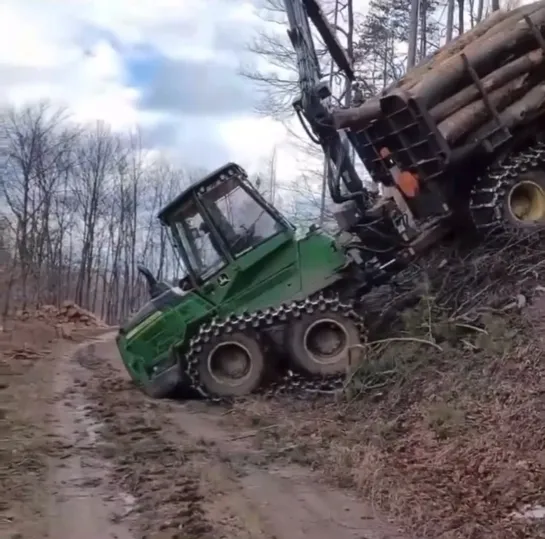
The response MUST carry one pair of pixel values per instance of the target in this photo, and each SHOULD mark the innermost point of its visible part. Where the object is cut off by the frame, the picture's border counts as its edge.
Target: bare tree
(95, 159)
(34, 155)
(450, 20)
(79, 212)
(461, 17)
(480, 11)
(413, 33)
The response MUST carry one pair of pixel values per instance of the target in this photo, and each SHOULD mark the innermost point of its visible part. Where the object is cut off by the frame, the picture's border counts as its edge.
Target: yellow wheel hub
(527, 202)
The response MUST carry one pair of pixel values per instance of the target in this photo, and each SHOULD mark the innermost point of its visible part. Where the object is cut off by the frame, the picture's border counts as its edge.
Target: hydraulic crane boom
(384, 226)
(312, 108)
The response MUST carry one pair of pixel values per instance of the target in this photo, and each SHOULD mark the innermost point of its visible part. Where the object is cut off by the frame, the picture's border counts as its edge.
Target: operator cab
(218, 219)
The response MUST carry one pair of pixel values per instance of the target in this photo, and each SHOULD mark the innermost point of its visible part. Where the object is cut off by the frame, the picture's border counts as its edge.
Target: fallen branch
(407, 339)
(253, 433)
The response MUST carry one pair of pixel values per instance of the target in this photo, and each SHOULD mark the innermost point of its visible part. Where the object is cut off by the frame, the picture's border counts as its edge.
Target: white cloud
(53, 49)
(25, 43)
(252, 139)
(74, 53)
(47, 45)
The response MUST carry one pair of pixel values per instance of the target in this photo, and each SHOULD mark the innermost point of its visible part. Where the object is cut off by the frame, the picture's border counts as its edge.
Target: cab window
(240, 219)
(193, 235)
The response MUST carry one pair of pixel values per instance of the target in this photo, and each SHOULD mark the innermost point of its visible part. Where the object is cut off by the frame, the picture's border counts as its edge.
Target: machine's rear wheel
(512, 195)
(524, 202)
(321, 343)
(232, 366)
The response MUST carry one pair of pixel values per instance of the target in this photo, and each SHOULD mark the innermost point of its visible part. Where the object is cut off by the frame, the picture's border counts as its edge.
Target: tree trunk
(494, 23)
(357, 116)
(480, 9)
(450, 49)
(450, 21)
(476, 113)
(508, 17)
(413, 34)
(437, 85)
(443, 83)
(461, 15)
(525, 64)
(423, 28)
(350, 27)
(521, 112)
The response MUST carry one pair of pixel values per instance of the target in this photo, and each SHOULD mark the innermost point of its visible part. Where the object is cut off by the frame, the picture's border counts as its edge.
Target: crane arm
(312, 108)
(333, 45)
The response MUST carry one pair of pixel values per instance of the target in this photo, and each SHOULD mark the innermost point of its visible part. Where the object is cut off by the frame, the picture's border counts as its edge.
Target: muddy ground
(83, 454)
(445, 447)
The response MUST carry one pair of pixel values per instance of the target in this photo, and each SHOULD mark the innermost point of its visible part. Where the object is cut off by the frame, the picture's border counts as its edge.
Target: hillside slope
(443, 428)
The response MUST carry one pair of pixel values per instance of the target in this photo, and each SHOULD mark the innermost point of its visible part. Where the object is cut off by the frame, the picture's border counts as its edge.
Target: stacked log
(507, 53)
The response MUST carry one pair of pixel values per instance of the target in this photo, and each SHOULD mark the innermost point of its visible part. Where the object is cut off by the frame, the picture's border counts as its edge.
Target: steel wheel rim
(326, 358)
(526, 202)
(226, 379)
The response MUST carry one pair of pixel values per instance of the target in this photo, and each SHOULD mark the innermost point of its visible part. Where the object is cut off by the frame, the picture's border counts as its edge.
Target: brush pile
(67, 313)
(506, 52)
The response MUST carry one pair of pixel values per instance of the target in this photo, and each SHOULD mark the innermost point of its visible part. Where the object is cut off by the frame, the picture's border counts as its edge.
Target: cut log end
(357, 118)
(509, 61)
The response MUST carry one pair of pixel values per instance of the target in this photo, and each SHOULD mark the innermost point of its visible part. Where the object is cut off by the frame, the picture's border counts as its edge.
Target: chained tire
(233, 365)
(511, 196)
(321, 343)
(255, 324)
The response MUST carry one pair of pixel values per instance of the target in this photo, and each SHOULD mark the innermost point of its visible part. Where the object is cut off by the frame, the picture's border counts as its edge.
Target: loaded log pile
(507, 53)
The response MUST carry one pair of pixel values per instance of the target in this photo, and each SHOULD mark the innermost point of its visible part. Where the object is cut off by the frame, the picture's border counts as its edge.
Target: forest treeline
(78, 203)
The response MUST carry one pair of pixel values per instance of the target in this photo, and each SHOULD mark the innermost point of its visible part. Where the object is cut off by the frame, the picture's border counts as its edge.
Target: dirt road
(90, 457)
(55, 484)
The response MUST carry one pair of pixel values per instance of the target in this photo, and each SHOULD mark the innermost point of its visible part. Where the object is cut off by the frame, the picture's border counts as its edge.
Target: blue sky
(169, 66)
(142, 66)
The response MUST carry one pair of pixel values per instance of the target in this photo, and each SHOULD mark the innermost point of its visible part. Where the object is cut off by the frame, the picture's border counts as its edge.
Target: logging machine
(261, 308)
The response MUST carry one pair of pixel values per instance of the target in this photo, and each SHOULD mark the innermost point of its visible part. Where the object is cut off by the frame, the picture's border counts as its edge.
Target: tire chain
(263, 319)
(487, 193)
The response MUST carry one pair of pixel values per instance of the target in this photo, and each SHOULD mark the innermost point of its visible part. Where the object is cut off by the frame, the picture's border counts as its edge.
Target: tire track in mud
(55, 484)
(192, 479)
(160, 475)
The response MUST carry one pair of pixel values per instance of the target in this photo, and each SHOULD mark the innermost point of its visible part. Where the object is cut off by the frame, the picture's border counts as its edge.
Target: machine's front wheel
(168, 384)
(320, 343)
(232, 366)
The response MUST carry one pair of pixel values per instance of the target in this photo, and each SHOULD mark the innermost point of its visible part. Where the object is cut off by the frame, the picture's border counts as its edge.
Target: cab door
(263, 276)
(260, 245)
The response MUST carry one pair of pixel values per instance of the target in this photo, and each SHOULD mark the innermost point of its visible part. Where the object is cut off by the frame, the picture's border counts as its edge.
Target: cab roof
(175, 204)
